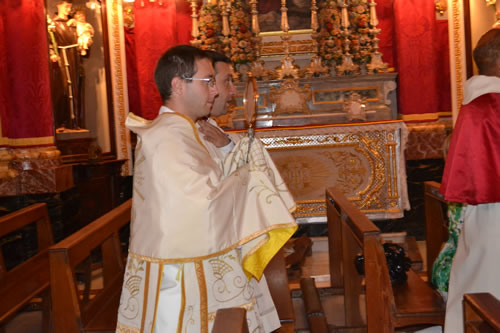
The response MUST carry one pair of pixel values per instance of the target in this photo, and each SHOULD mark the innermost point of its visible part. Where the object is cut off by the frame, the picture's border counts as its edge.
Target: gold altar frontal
(363, 160)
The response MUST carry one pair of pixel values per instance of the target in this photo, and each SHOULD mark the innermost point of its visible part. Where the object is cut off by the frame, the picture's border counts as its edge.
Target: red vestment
(472, 170)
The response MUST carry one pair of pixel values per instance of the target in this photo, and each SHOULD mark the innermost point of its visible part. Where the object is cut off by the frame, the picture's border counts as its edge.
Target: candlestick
(373, 14)
(284, 17)
(194, 31)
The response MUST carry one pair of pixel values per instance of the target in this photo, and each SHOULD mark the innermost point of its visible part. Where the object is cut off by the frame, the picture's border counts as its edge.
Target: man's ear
(177, 86)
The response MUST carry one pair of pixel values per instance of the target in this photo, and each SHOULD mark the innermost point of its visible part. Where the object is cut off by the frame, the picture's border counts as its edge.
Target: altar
(364, 160)
(321, 99)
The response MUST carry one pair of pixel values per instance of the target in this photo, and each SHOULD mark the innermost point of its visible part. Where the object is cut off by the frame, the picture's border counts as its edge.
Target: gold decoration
(441, 6)
(363, 163)
(316, 68)
(289, 98)
(120, 104)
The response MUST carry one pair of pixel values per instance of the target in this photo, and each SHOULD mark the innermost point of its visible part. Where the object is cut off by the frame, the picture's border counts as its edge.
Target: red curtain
(157, 28)
(25, 107)
(421, 59)
(385, 15)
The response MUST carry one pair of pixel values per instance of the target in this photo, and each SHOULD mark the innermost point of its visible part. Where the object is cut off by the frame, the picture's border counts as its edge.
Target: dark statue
(69, 40)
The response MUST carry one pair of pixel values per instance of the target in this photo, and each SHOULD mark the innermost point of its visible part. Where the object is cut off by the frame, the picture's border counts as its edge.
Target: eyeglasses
(209, 81)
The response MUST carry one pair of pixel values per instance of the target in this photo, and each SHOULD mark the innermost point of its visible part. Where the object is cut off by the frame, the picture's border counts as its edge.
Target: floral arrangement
(210, 28)
(242, 45)
(361, 43)
(330, 38)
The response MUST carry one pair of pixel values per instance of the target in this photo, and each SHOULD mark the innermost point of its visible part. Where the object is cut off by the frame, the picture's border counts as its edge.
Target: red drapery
(25, 107)
(421, 60)
(157, 28)
(385, 15)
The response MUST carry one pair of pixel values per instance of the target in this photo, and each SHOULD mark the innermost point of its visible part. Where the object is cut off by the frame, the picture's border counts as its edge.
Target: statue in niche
(69, 39)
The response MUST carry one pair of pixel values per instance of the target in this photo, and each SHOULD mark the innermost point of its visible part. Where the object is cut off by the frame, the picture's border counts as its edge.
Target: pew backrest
(387, 307)
(230, 320)
(30, 278)
(481, 313)
(436, 222)
(72, 311)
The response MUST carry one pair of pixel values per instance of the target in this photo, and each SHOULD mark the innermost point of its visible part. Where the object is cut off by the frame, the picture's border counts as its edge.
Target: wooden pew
(232, 320)
(73, 311)
(277, 281)
(396, 306)
(481, 313)
(29, 279)
(314, 310)
(436, 222)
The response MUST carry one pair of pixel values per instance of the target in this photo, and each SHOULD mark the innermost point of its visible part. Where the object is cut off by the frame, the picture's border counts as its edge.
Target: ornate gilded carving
(289, 98)
(294, 47)
(456, 9)
(120, 103)
(363, 163)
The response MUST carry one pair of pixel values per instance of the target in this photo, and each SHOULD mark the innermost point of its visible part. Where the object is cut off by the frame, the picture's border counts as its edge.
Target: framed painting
(299, 16)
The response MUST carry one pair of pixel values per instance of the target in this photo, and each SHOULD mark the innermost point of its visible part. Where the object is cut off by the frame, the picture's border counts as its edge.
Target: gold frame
(345, 89)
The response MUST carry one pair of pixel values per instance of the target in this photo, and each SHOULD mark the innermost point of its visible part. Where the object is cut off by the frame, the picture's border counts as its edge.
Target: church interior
(354, 100)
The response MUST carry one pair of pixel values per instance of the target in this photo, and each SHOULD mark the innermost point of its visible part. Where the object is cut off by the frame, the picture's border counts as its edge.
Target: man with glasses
(201, 235)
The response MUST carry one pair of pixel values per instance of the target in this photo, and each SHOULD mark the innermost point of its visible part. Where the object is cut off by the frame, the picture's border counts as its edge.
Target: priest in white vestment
(201, 233)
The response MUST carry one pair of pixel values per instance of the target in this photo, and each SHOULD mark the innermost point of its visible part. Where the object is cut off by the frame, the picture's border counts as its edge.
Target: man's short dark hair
(217, 57)
(487, 53)
(178, 61)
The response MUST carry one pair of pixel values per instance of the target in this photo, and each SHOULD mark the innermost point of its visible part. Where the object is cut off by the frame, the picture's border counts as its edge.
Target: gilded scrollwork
(289, 98)
(363, 163)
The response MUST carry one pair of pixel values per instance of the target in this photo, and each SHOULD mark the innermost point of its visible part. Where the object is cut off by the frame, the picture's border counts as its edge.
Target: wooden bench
(21, 284)
(314, 309)
(481, 313)
(77, 310)
(232, 320)
(388, 306)
(436, 223)
(277, 281)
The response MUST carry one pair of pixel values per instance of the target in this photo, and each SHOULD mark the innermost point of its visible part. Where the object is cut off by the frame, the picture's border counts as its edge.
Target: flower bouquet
(210, 28)
(242, 45)
(330, 38)
(361, 44)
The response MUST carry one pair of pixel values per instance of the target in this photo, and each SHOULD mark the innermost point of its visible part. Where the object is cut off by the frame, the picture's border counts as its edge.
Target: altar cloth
(364, 160)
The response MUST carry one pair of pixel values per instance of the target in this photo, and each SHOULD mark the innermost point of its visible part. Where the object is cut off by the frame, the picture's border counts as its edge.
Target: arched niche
(105, 90)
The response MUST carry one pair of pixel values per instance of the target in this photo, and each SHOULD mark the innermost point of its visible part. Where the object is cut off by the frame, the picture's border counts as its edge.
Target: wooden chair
(74, 312)
(232, 320)
(481, 313)
(29, 279)
(436, 222)
(388, 306)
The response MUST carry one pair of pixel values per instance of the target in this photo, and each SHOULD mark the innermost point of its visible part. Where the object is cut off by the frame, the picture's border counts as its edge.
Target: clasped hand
(213, 134)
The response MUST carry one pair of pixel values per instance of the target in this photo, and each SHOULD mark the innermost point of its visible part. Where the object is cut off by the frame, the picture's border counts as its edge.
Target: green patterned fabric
(442, 266)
